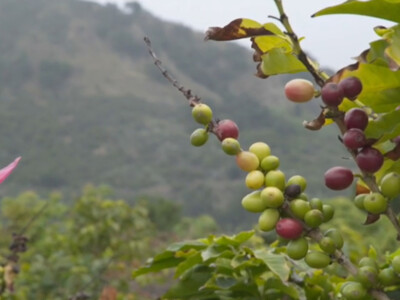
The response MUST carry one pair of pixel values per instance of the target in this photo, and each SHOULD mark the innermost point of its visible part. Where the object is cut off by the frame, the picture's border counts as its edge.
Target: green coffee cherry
(316, 203)
(368, 261)
(275, 178)
(269, 163)
(313, 218)
(299, 208)
(359, 201)
(353, 290)
(367, 276)
(328, 211)
(390, 185)
(230, 146)
(396, 264)
(253, 203)
(202, 113)
(327, 244)
(336, 236)
(297, 249)
(268, 219)
(317, 260)
(388, 277)
(199, 137)
(375, 203)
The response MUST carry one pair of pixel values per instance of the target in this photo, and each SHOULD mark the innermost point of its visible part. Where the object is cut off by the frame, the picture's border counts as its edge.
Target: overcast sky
(333, 40)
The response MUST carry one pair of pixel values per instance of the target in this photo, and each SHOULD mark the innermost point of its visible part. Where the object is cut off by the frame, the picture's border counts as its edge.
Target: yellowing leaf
(239, 29)
(278, 61)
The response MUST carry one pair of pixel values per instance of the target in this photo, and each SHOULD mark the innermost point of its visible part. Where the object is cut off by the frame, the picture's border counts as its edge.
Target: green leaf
(189, 262)
(276, 263)
(156, 266)
(383, 9)
(385, 127)
(276, 284)
(186, 245)
(235, 240)
(278, 61)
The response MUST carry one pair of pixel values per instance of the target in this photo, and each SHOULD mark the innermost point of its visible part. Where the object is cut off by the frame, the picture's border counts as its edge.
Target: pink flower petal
(8, 170)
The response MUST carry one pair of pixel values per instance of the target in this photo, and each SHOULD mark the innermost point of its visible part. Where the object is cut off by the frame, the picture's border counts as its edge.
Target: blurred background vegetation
(83, 104)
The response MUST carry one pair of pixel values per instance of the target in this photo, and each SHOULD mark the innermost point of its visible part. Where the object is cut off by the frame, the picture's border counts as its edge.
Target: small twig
(193, 99)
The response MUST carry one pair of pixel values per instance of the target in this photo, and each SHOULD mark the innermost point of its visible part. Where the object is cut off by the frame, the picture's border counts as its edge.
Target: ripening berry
(351, 86)
(338, 178)
(390, 185)
(328, 211)
(354, 138)
(388, 277)
(375, 203)
(299, 90)
(317, 259)
(202, 113)
(289, 229)
(369, 160)
(292, 191)
(356, 118)
(327, 245)
(199, 137)
(316, 203)
(332, 94)
(226, 128)
(255, 180)
(297, 249)
(359, 201)
(268, 219)
(231, 146)
(247, 161)
(367, 276)
(272, 196)
(260, 149)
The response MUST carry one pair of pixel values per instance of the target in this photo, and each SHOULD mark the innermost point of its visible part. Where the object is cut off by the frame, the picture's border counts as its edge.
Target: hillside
(82, 102)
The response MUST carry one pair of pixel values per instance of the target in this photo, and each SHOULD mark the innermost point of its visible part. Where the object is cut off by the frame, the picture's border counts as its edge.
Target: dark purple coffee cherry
(356, 118)
(332, 94)
(354, 138)
(351, 86)
(369, 160)
(338, 178)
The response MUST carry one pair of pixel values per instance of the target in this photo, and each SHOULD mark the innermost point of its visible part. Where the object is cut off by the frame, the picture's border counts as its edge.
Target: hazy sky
(333, 40)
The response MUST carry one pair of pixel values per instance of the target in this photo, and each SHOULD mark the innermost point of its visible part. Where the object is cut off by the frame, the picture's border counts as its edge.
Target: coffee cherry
(297, 249)
(272, 197)
(230, 146)
(368, 261)
(226, 128)
(375, 203)
(369, 160)
(299, 208)
(289, 229)
(275, 178)
(336, 236)
(255, 179)
(299, 90)
(328, 211)
(316, 203)
(260, 149)
(359, 201)
(332, 94)
(271, 162)
(202, 113)
(327, 245)
(353, 290)
(297, 179)
(199, 137)
(354, 138)
(292, 191)
(388, 277)
(247, 161)
(351, 86)
(390, 185)
(253, 203)
(338, 178)
(317, 260)
(396, 264)
(268, 219)
(356, 118)
(313, 218)
(367, 276)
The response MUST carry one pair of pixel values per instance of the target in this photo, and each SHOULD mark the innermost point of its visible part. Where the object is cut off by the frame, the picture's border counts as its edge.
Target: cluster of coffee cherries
(369, 276)
(282, 204)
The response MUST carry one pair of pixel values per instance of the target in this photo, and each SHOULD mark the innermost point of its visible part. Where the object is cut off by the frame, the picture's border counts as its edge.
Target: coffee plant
(309, 259)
